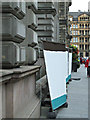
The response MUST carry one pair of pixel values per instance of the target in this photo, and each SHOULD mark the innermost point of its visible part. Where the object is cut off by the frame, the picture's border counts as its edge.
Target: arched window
(85, 25)
(80, 25)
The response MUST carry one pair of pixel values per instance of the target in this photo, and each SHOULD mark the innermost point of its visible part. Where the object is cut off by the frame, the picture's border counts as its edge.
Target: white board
(56, 68)
(67, 68)
(70, 63)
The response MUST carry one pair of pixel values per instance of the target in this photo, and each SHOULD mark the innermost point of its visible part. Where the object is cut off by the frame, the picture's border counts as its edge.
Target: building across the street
(80, 31)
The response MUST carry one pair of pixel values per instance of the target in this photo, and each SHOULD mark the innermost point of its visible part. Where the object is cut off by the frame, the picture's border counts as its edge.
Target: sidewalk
(77, 97)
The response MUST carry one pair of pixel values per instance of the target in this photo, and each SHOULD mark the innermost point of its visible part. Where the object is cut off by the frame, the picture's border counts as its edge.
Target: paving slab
(77, 96)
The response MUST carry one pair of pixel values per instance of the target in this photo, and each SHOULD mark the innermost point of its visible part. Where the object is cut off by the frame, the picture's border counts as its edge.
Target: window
(86, 19)
(87, 54)
(76, 26)
(73, 32)
(85, 25)
(73, 25)
(76, 39)
(82, 25)
(76, 32)
(85, 47)
(86, 32)
(82, 32)
(82, 39)
(82, 47)
(86, 39)
(82, 19)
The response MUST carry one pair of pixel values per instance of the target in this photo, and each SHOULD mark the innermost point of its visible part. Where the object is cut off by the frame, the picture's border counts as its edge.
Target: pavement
(77, 96)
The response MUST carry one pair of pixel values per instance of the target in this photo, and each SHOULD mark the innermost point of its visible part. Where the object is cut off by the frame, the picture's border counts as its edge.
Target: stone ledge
(17, 73)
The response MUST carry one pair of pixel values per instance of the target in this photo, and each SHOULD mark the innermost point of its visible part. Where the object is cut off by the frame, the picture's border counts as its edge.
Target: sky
(79, 5)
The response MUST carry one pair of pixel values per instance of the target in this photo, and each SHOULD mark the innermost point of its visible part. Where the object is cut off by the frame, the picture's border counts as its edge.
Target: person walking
(87, 65)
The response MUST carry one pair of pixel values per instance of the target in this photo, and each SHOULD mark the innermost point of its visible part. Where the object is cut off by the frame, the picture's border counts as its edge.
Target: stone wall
(19, 93)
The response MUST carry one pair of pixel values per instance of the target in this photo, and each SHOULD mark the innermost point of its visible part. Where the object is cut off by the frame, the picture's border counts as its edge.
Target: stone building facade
(80, 30)
(24, 26)
(63, 21)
